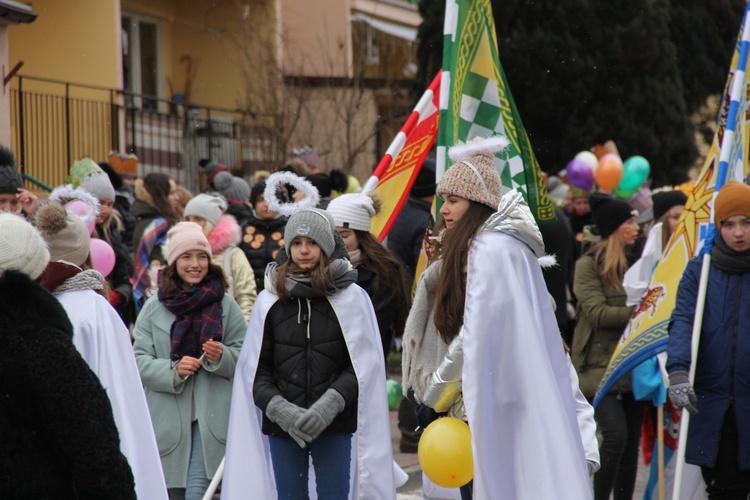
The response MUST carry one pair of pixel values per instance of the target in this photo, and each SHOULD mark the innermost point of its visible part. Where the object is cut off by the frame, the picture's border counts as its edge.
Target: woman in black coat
(59, 435)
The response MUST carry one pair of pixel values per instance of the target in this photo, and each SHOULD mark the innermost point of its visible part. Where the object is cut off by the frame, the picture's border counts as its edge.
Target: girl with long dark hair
(379, 273)
(481, 343)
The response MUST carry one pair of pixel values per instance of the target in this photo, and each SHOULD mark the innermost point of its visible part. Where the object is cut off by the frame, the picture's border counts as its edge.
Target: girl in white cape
(503, 368)
(310, 382)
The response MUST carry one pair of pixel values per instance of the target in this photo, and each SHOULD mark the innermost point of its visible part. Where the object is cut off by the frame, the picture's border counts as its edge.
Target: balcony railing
(55, 123)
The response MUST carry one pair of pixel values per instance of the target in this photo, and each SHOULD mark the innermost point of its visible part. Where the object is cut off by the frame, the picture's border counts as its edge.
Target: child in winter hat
(315, 224)
(664, 201)
(10, 179)
(234, 189)
(184, 237)
(352, 211)
(21, 247)
(65, 233)
(88, 174)
(474, 176)
(209, 207)
(733, 199)
(609, 213)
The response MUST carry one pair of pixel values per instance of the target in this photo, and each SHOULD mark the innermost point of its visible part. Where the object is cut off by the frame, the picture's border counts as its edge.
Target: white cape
(104, 342)
(248, 472)
(516, 384)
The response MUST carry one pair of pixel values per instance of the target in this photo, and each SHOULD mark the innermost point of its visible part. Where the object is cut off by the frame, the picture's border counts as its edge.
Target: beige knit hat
(21, 247)
(65, 233)
(473, 175)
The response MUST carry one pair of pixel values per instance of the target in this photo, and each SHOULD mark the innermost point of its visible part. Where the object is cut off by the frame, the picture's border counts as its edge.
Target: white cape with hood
(516, 384)
(248, 471)
(104, 342)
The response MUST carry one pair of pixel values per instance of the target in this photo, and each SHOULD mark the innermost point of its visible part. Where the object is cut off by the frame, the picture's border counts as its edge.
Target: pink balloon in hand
(102, 256)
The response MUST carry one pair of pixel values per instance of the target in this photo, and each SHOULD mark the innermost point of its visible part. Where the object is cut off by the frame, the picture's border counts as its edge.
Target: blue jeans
(331, 455)
(197, 478)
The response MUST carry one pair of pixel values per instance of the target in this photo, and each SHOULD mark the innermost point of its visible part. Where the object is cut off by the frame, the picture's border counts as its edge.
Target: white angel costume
(104, 342)
(248, 470)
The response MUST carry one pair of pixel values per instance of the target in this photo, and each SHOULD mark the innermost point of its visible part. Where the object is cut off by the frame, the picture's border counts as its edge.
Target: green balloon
(394, 393)
(635, 170)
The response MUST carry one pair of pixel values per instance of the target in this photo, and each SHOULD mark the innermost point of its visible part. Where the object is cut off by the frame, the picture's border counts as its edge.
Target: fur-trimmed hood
(142, 194)
(226, 233)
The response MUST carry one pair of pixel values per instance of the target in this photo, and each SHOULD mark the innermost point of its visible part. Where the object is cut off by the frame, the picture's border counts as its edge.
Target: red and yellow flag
(395, 174)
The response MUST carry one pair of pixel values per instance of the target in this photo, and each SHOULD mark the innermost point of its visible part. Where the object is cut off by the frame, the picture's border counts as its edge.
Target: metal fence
(55, 123)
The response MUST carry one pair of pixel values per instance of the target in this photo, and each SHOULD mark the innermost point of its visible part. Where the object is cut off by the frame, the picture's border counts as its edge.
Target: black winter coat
(303, 354)
(406, 235)
(59, 438)
(261, 241)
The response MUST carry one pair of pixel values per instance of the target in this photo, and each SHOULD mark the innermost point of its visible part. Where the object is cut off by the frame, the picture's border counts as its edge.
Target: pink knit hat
(474, 176)
(183, 237)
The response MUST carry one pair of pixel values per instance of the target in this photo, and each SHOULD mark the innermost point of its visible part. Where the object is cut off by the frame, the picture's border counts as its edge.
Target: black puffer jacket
(261, 242)
(59, 438)
(304, 354)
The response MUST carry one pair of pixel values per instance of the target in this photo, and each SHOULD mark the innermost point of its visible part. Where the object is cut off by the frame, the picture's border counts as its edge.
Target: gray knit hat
(234, 189)
(10, 179)
(315, 224)
(21, 247)
(206, 206)
(65, 233)
(99, 185)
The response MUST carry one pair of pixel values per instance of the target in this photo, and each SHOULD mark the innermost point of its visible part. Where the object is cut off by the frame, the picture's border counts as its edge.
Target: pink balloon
(102, 256)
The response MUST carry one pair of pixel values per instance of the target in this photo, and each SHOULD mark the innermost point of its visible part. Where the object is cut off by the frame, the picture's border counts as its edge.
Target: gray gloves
(681, 393)
(284, 413)
(320, 415)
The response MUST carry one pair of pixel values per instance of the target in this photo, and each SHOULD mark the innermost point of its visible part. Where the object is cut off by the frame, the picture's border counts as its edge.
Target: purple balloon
(580, 174)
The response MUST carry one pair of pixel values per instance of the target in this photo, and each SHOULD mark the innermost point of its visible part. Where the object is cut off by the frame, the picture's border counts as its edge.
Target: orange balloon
(609, 172)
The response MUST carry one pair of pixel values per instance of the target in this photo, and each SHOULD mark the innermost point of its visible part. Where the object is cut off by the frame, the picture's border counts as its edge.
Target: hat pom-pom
(51, 218)
(478, 146)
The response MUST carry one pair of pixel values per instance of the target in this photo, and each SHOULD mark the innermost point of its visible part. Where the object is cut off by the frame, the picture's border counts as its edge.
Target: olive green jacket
(602, 316)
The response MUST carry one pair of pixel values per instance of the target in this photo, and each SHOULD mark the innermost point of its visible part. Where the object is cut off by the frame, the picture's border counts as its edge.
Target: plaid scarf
(155, 234)
(198, 317)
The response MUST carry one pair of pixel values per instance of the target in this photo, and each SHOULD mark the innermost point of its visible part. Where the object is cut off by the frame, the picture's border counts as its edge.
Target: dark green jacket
(602, 316)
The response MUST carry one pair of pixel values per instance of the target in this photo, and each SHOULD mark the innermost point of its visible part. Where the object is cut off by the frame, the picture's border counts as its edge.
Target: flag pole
(737, 93)
(398, 142)
(660, 447)
(215, 481)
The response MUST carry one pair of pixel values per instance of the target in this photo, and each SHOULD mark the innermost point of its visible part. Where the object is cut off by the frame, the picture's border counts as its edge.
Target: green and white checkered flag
(475, 101)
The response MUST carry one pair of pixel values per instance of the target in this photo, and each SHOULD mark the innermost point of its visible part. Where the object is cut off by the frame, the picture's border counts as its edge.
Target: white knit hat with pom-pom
(353, 211)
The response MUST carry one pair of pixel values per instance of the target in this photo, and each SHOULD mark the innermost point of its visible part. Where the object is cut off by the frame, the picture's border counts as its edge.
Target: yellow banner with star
(646, 333)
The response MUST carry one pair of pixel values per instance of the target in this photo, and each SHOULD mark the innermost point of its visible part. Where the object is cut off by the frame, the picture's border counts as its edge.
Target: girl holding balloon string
(101, 338)
(493, 350)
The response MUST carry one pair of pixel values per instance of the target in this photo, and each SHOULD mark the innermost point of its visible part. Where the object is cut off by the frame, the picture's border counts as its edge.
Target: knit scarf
(155, 234)
(300, 286)
(59, 277)
(728, 260)
(198, 313)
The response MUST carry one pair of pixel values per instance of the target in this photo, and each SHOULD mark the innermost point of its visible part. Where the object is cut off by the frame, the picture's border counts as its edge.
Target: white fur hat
(352, 211)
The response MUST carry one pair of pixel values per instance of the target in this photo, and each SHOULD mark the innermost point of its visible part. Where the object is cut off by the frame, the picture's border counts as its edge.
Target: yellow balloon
(445, 453)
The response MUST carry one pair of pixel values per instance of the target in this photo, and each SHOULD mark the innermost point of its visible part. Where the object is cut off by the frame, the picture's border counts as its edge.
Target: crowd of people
(243, 332)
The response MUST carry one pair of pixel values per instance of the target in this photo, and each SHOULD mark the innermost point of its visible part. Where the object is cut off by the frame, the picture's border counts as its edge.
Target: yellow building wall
(73, 40)
(202, 46)
(316, 37)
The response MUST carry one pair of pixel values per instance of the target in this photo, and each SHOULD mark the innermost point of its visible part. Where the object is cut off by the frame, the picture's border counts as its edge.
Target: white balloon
(589, 159)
